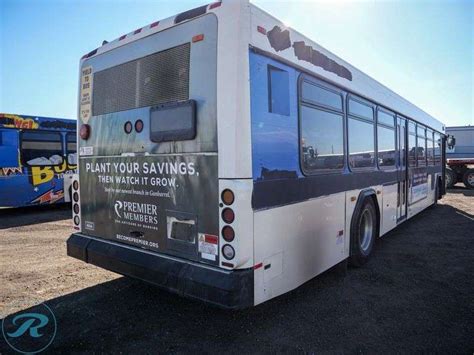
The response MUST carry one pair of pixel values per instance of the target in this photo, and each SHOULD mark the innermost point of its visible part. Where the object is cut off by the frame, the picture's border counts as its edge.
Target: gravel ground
(414, 295)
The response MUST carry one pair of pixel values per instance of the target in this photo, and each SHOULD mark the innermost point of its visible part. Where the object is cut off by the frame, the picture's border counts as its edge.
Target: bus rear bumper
(227, 289)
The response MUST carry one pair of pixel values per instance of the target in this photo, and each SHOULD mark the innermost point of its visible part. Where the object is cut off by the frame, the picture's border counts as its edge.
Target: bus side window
(71, 148)
(41, 148)
(278, 91)
(8, 149)
(411, 144)
(361, 134)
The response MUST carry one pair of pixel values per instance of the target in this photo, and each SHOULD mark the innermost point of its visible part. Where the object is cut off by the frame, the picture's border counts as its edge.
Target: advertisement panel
(159, 203)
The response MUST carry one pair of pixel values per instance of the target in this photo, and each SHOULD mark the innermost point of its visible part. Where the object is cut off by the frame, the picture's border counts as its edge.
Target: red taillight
(228, 215)
(85, 131)
(228, 233)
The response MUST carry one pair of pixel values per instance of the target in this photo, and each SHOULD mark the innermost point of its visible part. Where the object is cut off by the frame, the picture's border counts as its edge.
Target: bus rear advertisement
(226, 157)
(37, 159)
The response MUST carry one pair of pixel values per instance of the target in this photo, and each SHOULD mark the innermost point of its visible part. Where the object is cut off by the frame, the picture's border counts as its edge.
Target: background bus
(460, 159)
(37, 159)
(226, 157)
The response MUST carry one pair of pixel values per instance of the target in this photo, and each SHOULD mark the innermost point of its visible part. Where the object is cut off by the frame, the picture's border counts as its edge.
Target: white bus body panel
(297, 242)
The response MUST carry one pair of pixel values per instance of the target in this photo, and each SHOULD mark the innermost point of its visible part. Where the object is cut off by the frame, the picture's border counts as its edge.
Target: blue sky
(422, 50)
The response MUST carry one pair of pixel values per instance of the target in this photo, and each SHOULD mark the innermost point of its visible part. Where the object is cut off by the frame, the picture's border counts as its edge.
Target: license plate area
(181, 232)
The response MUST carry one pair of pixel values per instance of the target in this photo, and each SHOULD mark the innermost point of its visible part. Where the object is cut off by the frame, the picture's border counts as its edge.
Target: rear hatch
(148, 171)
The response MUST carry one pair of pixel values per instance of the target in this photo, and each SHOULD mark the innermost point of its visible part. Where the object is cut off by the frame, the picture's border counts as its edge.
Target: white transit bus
(228, 158)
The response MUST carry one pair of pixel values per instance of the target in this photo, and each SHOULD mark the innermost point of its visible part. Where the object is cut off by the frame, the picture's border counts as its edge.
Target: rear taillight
(227, 197)
(228, 215)
(85, 131)
(228, 233)
(76, 215)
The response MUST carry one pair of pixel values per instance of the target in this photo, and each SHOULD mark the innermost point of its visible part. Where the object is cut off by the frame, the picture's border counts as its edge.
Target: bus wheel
(468, 178)
(363, 232)
(450, 177)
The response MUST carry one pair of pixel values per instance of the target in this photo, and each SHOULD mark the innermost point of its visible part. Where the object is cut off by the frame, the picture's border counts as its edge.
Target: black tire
(468, 178)
(364, 229)
(450, 178)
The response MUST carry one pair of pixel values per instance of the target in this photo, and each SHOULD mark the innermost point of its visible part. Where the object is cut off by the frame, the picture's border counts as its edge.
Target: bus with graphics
(228, 158)
(37, 160)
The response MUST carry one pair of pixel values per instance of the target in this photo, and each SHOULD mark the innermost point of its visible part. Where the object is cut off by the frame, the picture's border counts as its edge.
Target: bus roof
(9, 120)
(264, 32)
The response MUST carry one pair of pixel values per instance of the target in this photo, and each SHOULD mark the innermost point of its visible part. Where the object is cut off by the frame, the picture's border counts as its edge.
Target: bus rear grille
(148, 81)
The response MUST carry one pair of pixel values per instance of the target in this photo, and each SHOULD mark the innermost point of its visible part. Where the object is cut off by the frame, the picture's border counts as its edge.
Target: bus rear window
(173, 122)
(41, 148)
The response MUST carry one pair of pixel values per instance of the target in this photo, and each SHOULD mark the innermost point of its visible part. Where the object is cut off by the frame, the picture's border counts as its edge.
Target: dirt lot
(415, 295)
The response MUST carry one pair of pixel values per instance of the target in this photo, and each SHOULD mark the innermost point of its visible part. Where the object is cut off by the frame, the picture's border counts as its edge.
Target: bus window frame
(363, 119)
(20, 148)
(271, 109)
(15, 148)
(394, 130)
(311, 104)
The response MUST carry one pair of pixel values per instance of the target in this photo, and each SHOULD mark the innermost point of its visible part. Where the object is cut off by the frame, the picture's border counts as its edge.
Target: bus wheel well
(377, 211)
(369, 193)
(365, 227)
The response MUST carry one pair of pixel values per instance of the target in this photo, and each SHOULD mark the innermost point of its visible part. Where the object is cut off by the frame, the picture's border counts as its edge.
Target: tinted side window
(322, 142)
(71, 148)
(361, 143)
(41, 148)
(316, 94)
(386, 146)
(429, 147)
(360, 109)
(385, 118)
(421, 146)
(437, 150)
(8, 148)
(279, 91)
(411, 150)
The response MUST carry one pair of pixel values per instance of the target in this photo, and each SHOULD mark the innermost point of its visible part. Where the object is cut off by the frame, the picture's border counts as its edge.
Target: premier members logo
(136, 212)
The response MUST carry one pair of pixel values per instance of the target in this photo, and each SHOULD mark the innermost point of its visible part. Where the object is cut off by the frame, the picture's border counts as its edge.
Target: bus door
(402, 168)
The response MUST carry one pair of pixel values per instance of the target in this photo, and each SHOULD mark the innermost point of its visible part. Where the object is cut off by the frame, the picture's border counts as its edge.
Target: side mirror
(450, 142)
